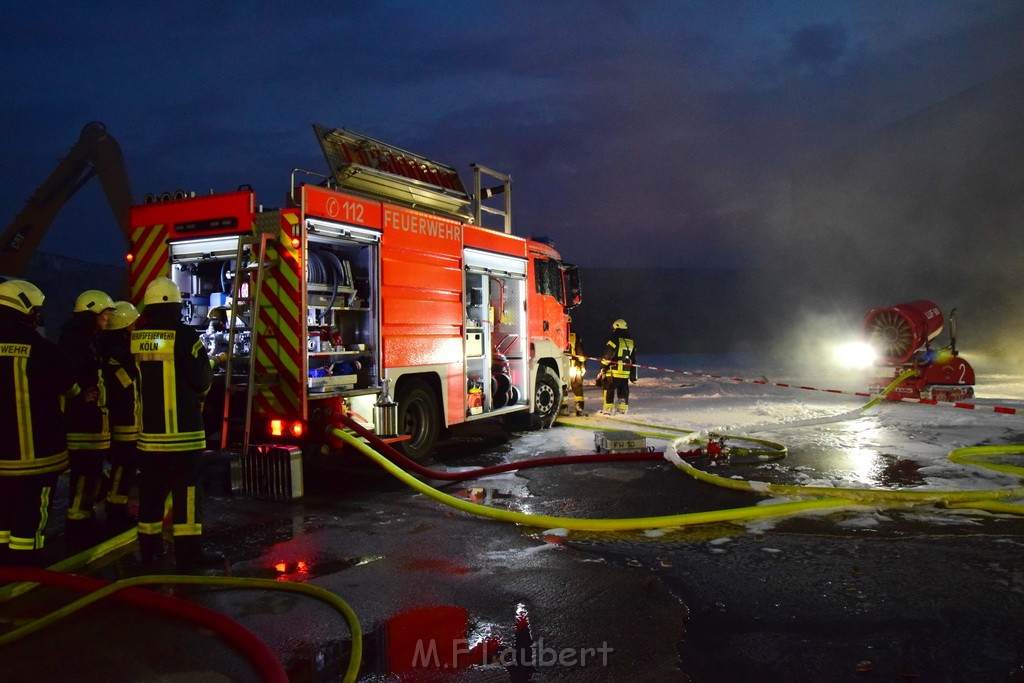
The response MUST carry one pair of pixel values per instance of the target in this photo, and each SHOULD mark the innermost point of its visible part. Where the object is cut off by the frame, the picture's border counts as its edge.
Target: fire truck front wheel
(547, 399)
(419, 417)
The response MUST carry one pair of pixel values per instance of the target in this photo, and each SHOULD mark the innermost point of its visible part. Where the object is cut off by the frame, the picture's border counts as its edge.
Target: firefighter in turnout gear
(174, 377)
(85, 413)
(618, 369)
(577, 369)
(119, 378)
(34, 450)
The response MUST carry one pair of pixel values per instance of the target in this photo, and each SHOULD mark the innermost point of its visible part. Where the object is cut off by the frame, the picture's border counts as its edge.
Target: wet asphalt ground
(811, 598)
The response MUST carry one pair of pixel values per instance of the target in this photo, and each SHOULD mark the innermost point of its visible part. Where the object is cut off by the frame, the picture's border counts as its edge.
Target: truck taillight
(286, 428)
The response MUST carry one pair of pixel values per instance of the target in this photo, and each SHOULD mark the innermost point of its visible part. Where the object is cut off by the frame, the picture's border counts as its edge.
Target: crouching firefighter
(174, 377)
(618, 369)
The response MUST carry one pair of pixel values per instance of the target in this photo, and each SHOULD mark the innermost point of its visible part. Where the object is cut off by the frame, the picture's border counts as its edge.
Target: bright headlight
(855, 355)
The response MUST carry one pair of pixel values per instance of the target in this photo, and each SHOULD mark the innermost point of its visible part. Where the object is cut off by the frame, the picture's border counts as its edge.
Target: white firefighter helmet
(162, 290)
(21, 295)
(619, 324)
(93, 300)
(124, 315)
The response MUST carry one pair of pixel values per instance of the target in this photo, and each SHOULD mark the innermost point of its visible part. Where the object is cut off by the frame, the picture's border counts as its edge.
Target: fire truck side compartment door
(496, 330)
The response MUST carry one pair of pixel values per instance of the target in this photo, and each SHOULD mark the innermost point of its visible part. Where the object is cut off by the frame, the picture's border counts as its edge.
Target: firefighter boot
(151, 548)
(118, 517)
(623, 408)
(579, 409)
(189, 554)
(24, 558)
(83, 533)
(84, 492)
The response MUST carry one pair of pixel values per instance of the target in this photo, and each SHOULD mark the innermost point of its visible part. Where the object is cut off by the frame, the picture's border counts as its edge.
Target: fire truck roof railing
(367, 166)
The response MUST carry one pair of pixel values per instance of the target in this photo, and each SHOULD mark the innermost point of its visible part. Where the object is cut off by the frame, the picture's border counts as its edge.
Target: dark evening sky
(640, 133)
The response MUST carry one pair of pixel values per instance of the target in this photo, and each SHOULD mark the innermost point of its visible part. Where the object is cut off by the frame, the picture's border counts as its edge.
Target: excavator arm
(95, 154)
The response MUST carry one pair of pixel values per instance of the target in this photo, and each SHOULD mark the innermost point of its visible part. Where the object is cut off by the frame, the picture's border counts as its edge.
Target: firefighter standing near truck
(618, 369)
(34, 449)
(174, 377)
(577, 368)
(119, 377)
(86, 414)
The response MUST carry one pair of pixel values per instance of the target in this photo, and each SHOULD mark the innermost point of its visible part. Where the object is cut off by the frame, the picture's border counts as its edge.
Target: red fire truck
(375, 290)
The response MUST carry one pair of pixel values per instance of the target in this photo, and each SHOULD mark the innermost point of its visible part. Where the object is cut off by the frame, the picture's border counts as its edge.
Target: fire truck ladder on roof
(245, 303)
(482, 193)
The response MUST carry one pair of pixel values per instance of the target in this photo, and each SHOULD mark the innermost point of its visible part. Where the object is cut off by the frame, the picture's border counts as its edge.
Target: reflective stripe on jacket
(33, 376)
(89, 422)
(619, 355)
(122, 400)
(174, 376)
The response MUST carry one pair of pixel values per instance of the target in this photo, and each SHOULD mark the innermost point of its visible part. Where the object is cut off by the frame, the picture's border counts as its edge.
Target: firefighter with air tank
(86, 415)
(34, 375)
(175, 374)
(120, 376)
(618, 369)
(577, 369)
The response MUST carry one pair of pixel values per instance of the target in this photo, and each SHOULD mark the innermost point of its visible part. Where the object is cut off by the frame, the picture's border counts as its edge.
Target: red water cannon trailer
(901, 337)
(375, 291)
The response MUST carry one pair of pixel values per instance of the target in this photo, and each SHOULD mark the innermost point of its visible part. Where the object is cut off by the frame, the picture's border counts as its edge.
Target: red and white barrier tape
(923, 401)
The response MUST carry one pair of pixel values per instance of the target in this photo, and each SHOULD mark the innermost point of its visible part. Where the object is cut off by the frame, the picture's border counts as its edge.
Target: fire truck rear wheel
(419, 417)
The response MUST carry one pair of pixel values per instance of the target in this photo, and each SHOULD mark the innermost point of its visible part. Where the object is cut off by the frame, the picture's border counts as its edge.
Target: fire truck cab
(375, 291)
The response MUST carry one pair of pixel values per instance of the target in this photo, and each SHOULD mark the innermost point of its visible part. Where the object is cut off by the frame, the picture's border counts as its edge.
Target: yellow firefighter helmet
(124, 315)
(619, 324)
(21, 295)
(162, 290)
(93, 300)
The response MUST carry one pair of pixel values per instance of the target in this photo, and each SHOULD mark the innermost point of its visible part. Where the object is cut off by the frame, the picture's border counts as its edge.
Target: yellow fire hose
(991, 500)
(624, 524)
(585, 524)
(869, 495)
(977, 455)
(825, 497)
(829, 497)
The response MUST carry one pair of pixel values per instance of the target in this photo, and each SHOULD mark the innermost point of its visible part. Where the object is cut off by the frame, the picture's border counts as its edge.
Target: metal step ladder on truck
(375, 291)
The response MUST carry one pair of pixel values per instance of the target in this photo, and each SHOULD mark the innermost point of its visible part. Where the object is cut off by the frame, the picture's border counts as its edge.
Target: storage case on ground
(619, 441)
